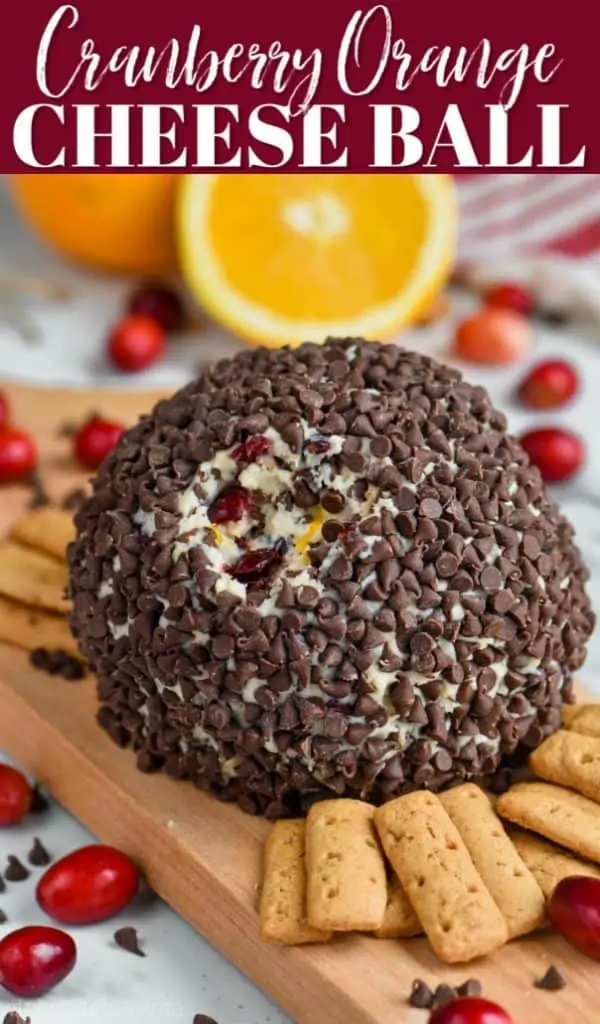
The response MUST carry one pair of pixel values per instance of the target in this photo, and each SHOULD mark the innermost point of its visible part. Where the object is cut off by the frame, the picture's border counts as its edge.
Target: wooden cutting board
(204, 857)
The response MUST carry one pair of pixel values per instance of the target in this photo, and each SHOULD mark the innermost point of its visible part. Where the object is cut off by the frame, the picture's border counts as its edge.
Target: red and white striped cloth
(540, 229)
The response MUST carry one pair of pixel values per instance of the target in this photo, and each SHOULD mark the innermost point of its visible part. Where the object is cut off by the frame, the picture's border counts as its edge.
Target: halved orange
(281, 259)
(120, 222)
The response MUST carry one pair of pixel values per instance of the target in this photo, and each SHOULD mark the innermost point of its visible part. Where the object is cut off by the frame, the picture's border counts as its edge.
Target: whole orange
(119, 222)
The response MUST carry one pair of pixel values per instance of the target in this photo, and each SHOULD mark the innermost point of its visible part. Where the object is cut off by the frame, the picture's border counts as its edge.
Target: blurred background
(136, 281)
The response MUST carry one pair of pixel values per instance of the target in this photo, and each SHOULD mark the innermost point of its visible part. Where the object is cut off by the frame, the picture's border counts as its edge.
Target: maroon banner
(327, 85)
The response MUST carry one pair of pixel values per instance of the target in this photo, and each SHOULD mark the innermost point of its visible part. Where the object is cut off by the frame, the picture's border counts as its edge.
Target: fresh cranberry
(35, 959)
(18, 455)
(88, 885)
(493, 337)
(557, 453)
(255, 565)
(230, 505)
(160, 302)
(251, 449)
(135, 343)
(574, 911)
(511, 296)
(4, 411)
(15, 795)
(548, 385)
(94, 440)
(470, 1010)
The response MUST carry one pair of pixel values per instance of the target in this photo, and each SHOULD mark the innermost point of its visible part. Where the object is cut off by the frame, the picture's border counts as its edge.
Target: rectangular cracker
(347, 882)
(47, 529)
(29, 628)
(458, 914)
(32, 578)
(583, 718)
(283, 896)
(510, 882)
(565, 817)
(400, 921)
(549, 863)
(570, 759)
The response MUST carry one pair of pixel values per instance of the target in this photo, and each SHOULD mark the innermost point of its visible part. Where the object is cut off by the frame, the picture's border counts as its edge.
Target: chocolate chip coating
(396, 601)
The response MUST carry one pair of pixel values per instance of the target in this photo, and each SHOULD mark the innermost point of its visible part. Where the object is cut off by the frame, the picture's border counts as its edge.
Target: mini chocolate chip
(3, 917)
(127, 939)
(442, 995)
(13, 1017)
(431, 508)
(332, 501)
(307, 597)
(491, 578)
(16, 871)
(421, 643)
(553, 980)
(74, 499)
(442, 761)
(38, 855)
(421, 996)
(381, 446)
(471, 987)
(39, 804)
(201, 1018)
(447, 565)
(331, 530)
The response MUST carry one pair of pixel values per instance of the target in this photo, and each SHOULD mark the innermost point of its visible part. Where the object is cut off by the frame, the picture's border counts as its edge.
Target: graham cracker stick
(400, 921)
(457, 912)
(583, 718)
(570, 759)
(31, 627)
(347, 883)
(548, 863)
(565, 817)
(32, 578)
(283, 896)
(46, 529)
(502, 870)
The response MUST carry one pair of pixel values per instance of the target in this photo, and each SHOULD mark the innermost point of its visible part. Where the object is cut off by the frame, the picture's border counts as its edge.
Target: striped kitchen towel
(542, 230)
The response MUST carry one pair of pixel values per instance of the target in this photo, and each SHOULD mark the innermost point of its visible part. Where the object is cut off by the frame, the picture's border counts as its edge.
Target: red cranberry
(470, 1010)
(160, 302)
(18, 455)
(255, 565)
(94, 440)
(4, 411)
(135, 343)
(252, 449)
(35, 959)
(548, 385)
(15, 795)
(230, 505)
(574, 911)
(493, 337)
(88, 885)
(557, 453)
(510, 296)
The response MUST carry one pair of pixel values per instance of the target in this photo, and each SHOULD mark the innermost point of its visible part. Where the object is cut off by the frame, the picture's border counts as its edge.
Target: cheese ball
(326, 570)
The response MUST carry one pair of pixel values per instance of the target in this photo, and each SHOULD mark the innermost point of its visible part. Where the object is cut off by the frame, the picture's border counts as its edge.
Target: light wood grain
(204, 857)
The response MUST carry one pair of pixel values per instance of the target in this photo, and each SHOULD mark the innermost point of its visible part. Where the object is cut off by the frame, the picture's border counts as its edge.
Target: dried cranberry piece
(255, 565)
(230, 505)
(251, 449)
(318, 446)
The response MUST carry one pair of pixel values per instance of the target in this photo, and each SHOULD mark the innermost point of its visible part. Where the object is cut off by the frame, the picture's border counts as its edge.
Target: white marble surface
(182, 975)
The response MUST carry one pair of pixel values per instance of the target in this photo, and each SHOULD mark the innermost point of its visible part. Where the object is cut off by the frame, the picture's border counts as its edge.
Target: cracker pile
(443, 865)
(33, 582)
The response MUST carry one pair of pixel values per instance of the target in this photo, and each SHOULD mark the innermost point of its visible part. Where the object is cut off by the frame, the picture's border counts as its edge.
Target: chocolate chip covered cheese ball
(326, 571)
